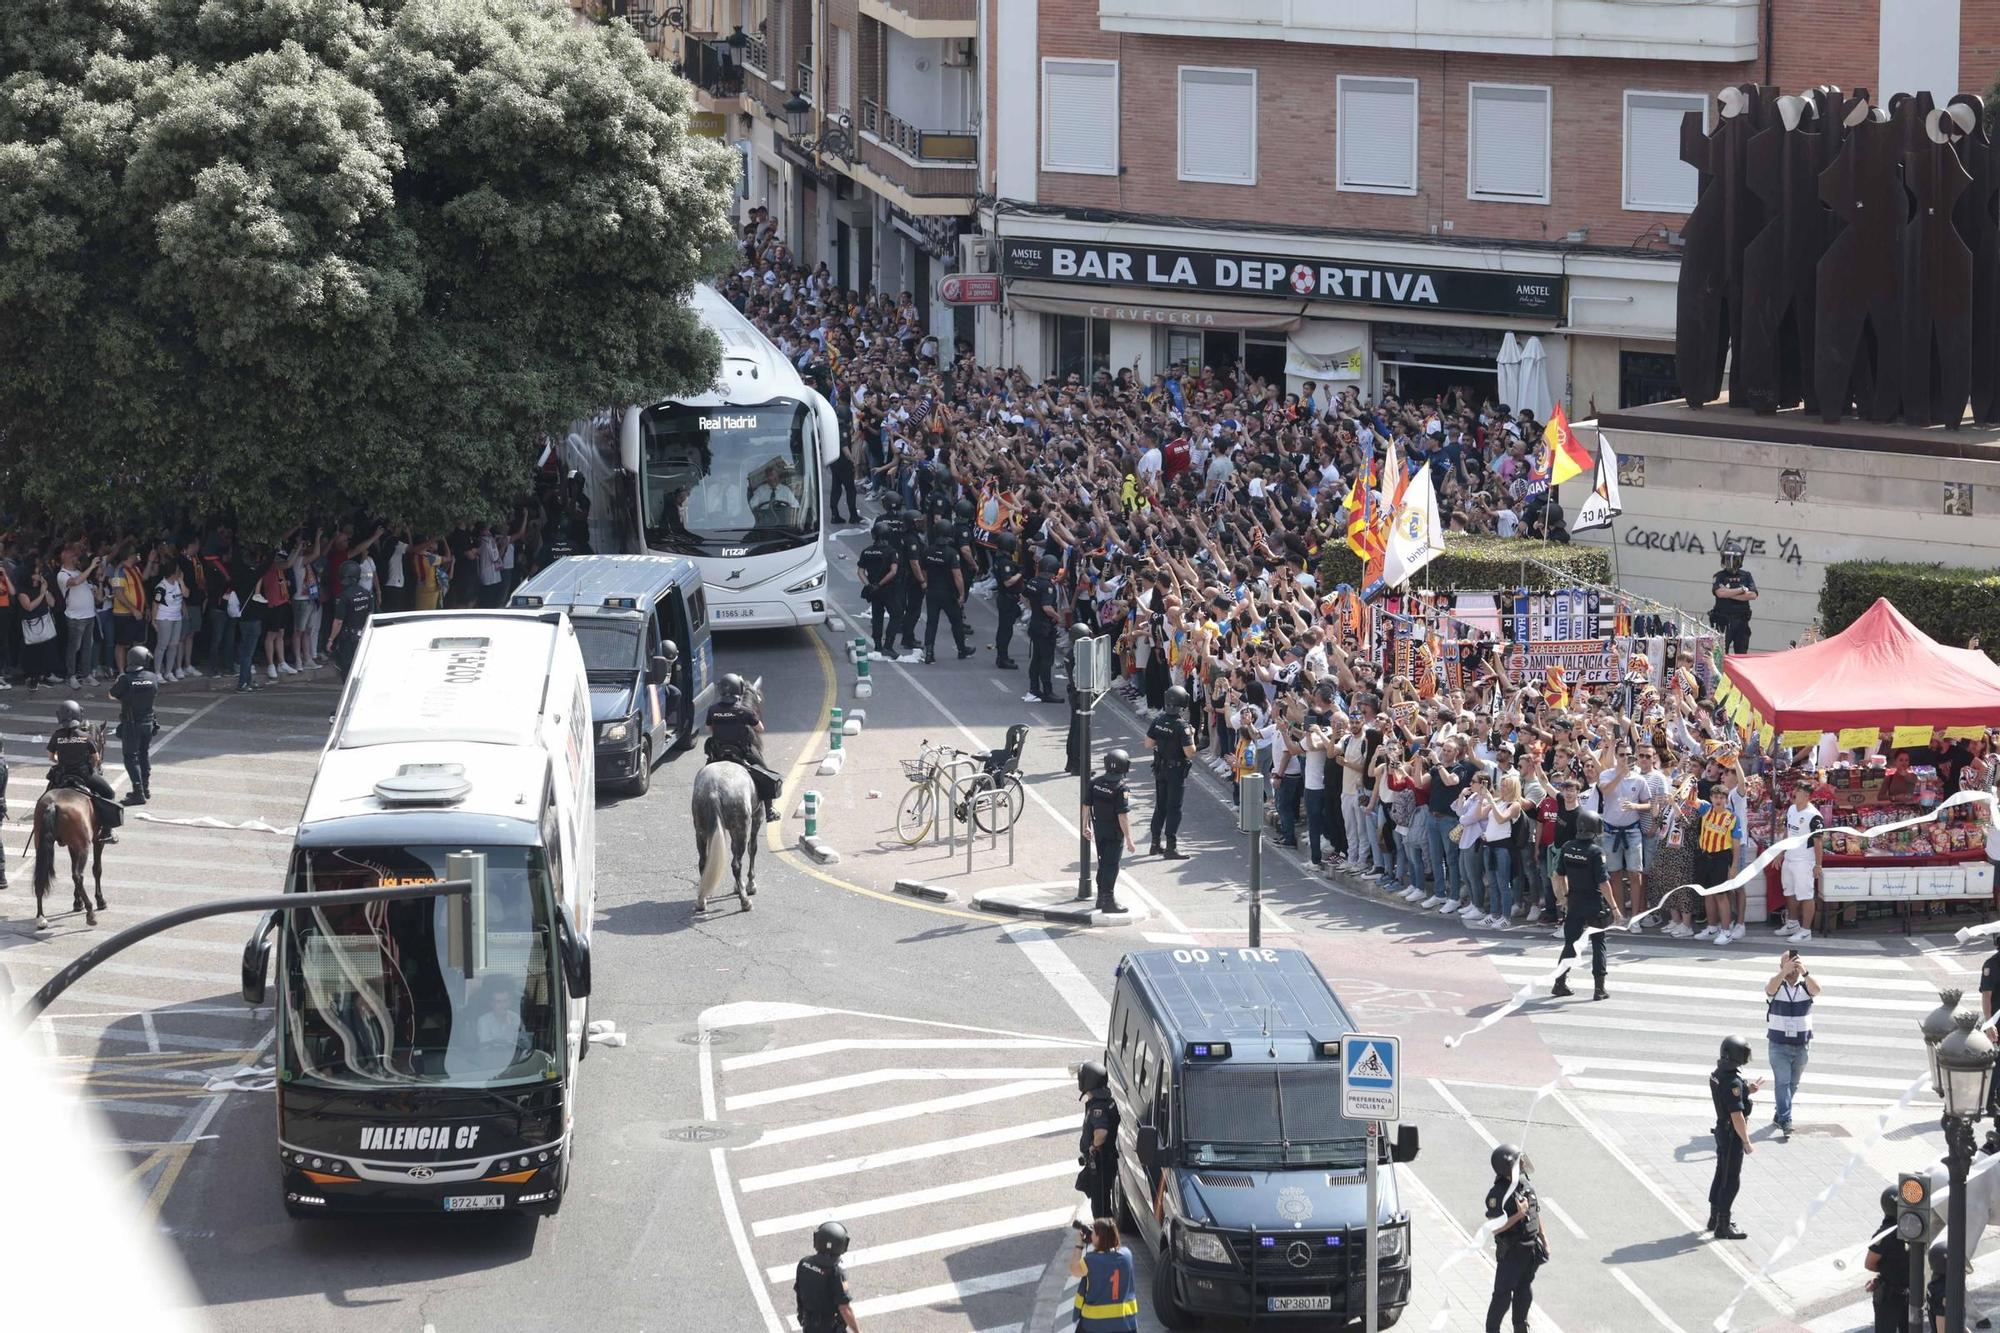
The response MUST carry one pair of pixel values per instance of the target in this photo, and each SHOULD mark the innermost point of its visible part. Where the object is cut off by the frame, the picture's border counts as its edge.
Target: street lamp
(1936, 1026)
(737, 39)
(1964, 1062)
(796, 109)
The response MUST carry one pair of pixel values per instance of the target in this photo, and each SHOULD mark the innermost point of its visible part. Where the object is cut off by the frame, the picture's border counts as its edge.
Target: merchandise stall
(1861, 710)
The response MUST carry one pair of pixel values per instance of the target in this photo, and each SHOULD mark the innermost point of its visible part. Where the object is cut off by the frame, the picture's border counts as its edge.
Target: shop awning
(1880, 672)
(1179, 310)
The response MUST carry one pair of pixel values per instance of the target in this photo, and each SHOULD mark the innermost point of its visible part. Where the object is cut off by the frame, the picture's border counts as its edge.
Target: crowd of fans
(1187, 514)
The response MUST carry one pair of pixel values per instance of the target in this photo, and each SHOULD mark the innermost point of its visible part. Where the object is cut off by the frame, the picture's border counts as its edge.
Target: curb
(819, 851)
(1061, 914)
(911, 888)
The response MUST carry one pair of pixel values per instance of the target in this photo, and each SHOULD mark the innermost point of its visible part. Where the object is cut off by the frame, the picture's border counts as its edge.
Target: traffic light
(1916, 1224)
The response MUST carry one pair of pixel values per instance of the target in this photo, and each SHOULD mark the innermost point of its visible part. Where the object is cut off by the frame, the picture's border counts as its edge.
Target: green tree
(290, 255)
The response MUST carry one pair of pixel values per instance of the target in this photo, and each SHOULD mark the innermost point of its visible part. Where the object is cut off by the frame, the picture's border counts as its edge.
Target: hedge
(1479, 563)
(1947, 603)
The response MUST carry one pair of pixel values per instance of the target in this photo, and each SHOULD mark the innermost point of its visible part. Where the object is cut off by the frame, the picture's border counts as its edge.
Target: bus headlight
(1204, 1247)
(816, 581)
(614, 731)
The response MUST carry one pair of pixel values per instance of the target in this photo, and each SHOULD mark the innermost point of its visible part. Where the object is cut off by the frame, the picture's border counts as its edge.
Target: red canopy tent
(1881, 671)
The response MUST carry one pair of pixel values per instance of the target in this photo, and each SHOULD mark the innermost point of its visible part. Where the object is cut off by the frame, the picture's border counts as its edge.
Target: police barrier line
(210, 821)
(1749, 873)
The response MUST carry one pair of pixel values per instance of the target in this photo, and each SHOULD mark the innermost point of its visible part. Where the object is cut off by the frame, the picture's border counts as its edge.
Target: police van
(428, 1049)
(624, 608)
(1234, 1164)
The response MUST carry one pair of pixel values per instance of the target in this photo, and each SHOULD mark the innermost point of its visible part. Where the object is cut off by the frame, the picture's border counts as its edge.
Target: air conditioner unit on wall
(958, 54)
(975, 254)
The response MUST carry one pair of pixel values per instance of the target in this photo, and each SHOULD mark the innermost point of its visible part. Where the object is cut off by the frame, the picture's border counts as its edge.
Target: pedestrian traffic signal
(1915, 1217)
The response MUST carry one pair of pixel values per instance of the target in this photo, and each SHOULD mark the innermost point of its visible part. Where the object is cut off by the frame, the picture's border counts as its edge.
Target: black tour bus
(1234, 1164)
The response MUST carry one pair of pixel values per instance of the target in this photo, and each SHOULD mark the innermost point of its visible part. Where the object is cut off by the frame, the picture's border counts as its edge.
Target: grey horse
(726, 808)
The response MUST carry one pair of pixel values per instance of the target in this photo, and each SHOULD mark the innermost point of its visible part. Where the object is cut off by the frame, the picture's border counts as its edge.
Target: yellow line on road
(789, 797)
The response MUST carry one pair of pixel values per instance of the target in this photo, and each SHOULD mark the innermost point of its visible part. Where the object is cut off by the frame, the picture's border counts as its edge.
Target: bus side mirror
(657, 670)
(1405, 1148)
(257, 959)
(1149, 1147)
(575, 955)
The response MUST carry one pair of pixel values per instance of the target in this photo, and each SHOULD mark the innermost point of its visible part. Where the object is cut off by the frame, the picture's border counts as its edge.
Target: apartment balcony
(926, 18)
(927, 172)
(710, 65)
(1701, 30)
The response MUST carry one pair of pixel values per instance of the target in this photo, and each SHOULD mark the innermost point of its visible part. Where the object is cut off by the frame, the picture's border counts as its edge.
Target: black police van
(1234, 1164)
(625, 609)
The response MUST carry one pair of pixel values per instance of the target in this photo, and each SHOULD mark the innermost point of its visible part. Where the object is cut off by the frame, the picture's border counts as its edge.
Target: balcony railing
(804, 75)
(935, 10)
(709, 66)
(923, 145)
(757, 53)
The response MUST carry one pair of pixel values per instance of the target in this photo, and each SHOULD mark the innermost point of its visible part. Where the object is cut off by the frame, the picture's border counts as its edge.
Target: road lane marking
(942, 1293)
(1067, 979)
(1644, 1300)
(909, 1110)
(892, 1203)
(744, 1101)
(983, 1233)
(731, 1217)
(1698, 1073)
(1528, 969)
(1732, 1022)
(1749, 978)
(1033, 1129)
(839, 1044)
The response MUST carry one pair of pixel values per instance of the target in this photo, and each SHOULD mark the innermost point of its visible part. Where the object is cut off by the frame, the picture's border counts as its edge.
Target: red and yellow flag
(1567, 458)
(1364, 528)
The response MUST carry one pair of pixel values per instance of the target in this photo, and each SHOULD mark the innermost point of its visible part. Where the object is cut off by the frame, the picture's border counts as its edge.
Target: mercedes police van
(625, 608)
(428, 1048)
(1234, 1164)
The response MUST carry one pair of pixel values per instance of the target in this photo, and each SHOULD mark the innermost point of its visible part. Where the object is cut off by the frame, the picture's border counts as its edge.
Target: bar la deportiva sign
(1284, 276)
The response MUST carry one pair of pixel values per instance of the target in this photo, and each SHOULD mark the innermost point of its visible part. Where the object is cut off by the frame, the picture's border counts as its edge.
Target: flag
(1567, 458)
(1603, 504)
(1364, 529)
(1557, 690)
(1415, 538)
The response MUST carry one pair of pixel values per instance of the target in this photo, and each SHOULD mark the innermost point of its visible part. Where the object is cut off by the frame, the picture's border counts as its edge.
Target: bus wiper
(678, 543)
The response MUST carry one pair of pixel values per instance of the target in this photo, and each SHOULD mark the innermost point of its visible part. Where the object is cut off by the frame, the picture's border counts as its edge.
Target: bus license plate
(1286, 1304)
(476, 1203)
(733, 612)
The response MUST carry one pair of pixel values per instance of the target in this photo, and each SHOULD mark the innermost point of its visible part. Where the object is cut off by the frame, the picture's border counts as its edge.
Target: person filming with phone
(1788, 1002)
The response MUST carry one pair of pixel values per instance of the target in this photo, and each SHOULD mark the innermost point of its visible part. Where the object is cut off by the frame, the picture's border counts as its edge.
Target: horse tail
(718, 857)
(45, 848)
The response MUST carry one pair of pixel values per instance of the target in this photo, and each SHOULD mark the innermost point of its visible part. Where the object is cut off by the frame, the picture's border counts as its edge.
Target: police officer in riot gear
(1108, 808)
(962, 530)
(944, 590)
(1042, 627)
(1734, 590)
(1008, 581)
(137, 689)
(1521, 1245)
(350, 616)
(881, 572)
(911, 576)
(733, 731)
(1580, 877)
(1730, 1092)
(1097, 1145)
(820, 1285)
(1172, 744)
(76, 763)
(1889, 1260)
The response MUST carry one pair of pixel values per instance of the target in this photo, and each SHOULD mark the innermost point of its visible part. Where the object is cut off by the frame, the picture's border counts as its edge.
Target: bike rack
(986, 800)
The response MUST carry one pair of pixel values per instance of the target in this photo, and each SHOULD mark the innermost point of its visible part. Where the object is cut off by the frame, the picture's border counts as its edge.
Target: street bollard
(833, 731)
(863, 686)
(812, 814)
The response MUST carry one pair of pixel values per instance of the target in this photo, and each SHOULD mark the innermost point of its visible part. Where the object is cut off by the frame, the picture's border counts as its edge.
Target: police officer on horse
(733, 732)
(76, 759)
(820, 1285)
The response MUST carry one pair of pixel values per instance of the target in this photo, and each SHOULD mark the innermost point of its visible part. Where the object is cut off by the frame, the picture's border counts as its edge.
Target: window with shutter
(1656, 180)
(1080, 116)
(843, 68)
(1508, 143)
(1219, 125)
(1375, 133)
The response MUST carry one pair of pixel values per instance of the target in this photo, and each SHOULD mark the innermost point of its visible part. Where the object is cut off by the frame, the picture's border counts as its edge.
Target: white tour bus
(427, 1049)
(732, 477)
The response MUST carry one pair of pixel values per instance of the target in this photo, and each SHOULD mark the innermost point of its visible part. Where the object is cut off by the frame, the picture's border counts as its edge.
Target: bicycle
(995, 816)
(934, 778)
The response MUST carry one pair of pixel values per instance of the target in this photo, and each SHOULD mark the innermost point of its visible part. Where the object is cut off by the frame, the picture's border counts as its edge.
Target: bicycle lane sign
(1371, 1077)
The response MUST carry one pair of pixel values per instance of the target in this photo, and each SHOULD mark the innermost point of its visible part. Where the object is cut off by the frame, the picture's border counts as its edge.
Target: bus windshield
(372, 999)
(729, 476)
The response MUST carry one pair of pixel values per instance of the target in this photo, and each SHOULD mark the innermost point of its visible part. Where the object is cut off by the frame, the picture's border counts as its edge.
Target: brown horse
(68, 816)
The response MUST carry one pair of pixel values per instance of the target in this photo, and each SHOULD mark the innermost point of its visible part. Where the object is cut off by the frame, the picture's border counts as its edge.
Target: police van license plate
(1287, 1304)
(475, 1203)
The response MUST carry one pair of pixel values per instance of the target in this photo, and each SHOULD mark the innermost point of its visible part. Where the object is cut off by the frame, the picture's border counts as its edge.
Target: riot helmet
(1050, 564)
(1090, 1076)
(1891, 1204)
(830, 1238)
(350, 573)
(730, 688)
(964, 509)
(1732, 556)
(1588, 825)
(69, 713)
(1177, 699)
(1735, 1052)
(881, 532)
(139, 658)
(1007, 542)
(1117, 763)
(1506, 1157)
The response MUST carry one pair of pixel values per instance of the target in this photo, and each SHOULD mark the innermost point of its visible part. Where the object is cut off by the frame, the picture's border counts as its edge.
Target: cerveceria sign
(1294, 277)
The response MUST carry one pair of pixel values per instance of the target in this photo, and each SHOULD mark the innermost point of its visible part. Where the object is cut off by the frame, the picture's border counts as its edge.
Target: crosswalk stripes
(1655, 1039)
(948, 1151)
